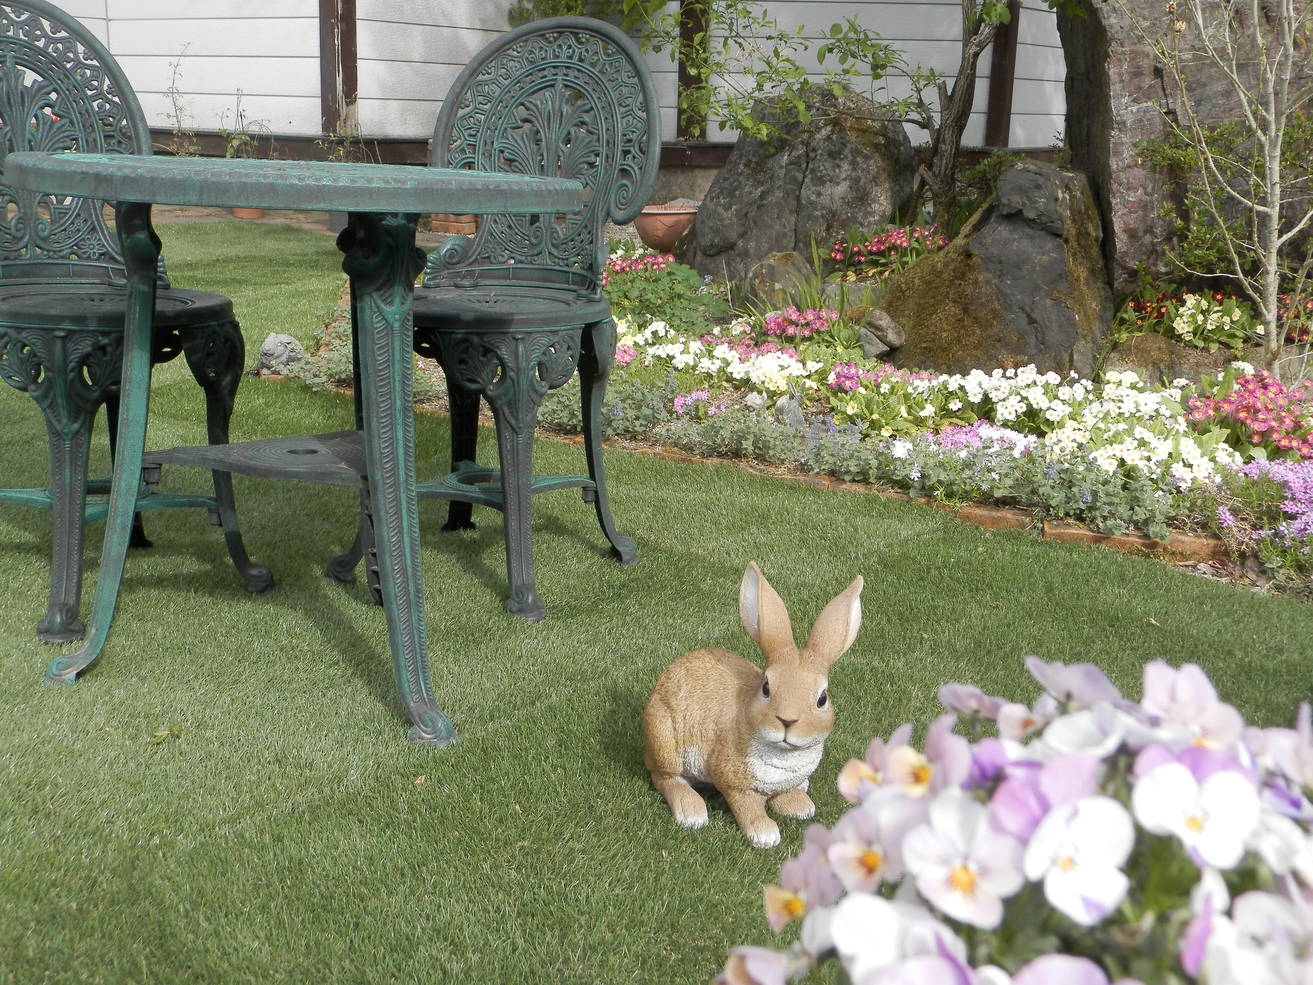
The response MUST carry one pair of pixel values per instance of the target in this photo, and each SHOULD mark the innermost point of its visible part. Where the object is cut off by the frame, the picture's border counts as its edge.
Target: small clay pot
(660, 226)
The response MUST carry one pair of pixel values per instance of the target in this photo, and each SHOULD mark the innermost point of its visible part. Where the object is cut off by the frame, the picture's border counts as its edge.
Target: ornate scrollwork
(512, 370)
(69, 374)
(56, 94)
(559, 103)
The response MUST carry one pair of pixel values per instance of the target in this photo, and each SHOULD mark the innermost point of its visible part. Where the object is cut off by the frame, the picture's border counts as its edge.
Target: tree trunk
(955, 112)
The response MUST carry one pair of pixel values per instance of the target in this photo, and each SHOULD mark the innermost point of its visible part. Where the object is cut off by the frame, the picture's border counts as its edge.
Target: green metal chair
(514, 309)
(62, 294)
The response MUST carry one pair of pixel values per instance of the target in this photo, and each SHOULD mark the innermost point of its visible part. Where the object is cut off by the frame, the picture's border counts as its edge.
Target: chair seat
(500, 309)
(100, 307)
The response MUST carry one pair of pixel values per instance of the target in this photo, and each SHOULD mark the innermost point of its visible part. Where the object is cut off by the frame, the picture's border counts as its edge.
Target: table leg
(141, 252)
(383, 262)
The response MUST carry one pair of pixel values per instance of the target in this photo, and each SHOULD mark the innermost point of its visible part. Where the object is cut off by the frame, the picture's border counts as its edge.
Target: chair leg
(69, 449)
(516, 416)
(215, 354)
(464, 418)
(69, 375)
(595, 360)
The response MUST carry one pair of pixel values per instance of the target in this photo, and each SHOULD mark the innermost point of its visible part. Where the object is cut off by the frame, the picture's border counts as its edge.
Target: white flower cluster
(771, 371)
(1199, 317)
(1114, 425)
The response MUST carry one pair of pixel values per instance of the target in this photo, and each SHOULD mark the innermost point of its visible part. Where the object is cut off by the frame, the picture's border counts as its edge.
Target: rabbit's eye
(824, 699)
(765, 688)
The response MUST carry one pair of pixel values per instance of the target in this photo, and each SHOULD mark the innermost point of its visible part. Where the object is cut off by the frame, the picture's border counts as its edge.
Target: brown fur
(709, 721)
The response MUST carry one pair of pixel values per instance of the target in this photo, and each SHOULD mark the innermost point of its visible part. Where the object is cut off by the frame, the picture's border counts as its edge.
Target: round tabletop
(328, 186)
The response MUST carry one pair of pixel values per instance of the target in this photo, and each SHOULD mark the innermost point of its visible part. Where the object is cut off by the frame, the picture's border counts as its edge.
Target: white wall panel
(410, 50)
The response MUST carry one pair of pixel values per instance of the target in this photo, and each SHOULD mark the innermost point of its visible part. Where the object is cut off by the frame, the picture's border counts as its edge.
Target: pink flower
(860, 776)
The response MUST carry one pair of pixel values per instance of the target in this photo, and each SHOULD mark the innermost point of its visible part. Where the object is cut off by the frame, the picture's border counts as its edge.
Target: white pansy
(1213, 819)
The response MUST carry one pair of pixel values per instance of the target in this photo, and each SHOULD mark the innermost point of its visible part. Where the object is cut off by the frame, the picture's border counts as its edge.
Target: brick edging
(1179, 547)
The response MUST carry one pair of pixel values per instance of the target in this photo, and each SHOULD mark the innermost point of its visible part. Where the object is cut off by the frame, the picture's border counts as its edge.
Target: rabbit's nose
(786, 722)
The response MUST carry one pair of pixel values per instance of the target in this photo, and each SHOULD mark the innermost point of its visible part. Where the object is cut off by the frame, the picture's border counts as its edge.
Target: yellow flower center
(921, 774)
(794, 906)
(1195, 823)
(963, 880)
(871, 861)
(1066, 863)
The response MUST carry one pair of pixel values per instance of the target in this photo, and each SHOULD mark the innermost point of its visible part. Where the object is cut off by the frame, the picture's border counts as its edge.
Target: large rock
(1119, 95)
(1024, 282)
(849, 167)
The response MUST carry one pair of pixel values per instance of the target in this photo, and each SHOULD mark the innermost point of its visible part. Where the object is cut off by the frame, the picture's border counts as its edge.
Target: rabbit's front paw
(691, 815)
(764, 834)
(686, 804)
(793, 803)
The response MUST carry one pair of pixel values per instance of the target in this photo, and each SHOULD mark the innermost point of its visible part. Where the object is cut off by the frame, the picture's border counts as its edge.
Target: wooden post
(338, 79)
(1002, 74)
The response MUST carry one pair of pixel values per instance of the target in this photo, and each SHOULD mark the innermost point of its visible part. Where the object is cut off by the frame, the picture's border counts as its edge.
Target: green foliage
(1202, 321)
(1206, 220)
(750, 74)
(645, 287)
(634, 407)
(737, 433)
(631, 15)
(327, 365)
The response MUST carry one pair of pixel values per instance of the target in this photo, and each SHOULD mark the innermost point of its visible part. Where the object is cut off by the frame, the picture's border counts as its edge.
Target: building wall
(409, 53)
(926, 32)
(197, 64)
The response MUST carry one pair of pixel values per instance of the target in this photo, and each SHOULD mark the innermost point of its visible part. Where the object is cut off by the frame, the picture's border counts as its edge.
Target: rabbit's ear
(836, 627)
(763, 613)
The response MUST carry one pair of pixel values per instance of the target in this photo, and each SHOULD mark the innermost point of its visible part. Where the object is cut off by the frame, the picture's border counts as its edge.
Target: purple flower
(1062, 969)
(1080, 685)
(1029, 793)
(967, 699)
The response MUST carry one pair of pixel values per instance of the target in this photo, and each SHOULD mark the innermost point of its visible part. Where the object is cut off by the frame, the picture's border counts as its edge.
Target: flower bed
(1088, 839)
(791, 387)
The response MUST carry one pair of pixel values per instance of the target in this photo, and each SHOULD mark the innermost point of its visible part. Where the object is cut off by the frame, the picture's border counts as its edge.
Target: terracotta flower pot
(660, 226)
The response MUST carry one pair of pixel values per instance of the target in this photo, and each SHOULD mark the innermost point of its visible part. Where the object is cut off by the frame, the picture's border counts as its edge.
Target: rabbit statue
(754, 734)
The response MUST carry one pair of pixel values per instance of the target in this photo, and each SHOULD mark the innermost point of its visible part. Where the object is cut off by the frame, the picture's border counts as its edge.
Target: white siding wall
(927, 32)
(409, 51)
(269, 51)
(91, 13)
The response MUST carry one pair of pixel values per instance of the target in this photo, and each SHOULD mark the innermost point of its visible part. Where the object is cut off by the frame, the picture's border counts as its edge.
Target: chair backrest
(60, 90)
(563, 97)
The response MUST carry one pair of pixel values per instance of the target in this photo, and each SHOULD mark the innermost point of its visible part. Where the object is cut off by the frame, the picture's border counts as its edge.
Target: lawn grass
(283, 831)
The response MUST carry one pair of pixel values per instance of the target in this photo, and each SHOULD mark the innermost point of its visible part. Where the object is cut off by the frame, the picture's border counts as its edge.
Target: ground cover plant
(226, 796)
(791, 386)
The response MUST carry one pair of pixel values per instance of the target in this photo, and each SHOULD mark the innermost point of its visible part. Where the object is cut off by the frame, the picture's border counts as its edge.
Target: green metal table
(380, 257)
